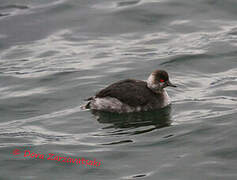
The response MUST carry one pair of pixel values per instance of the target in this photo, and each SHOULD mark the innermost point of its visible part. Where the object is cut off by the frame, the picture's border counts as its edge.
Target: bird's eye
(162, 80)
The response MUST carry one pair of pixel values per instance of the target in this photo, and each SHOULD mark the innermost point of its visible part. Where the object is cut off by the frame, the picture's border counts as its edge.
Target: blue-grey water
(55, 53)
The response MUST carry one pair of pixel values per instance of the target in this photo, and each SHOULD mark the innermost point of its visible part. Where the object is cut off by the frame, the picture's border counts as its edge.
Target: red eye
(162, 80)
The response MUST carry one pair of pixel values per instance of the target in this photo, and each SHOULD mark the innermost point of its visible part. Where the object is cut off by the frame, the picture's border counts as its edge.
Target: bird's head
(158, 80)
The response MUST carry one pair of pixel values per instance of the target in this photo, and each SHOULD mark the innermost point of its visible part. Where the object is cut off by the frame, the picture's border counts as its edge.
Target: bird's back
(129, 91)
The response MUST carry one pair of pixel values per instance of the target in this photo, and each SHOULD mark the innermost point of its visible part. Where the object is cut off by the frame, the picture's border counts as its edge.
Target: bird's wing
(129, 91)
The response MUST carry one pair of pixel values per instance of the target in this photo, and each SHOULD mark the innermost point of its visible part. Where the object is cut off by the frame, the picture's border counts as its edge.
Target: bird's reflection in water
(124, 123)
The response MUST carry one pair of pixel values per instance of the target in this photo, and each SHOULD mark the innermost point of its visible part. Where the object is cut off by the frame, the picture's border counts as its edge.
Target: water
(55, 53)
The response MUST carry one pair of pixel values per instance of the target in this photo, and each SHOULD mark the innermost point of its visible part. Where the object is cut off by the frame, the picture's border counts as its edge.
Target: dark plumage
(129, 91)
(131, 95)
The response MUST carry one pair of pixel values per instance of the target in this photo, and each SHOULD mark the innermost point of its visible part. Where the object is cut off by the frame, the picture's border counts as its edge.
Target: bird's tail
(87, 105)
(89, 99)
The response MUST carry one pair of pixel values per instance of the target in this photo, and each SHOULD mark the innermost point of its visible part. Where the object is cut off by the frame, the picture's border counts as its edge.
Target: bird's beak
(170, 84)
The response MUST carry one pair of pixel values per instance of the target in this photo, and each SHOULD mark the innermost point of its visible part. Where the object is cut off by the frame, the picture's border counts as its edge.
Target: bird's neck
(153, 85)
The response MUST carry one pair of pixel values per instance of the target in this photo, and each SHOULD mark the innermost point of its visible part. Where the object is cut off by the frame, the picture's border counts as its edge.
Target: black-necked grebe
(131, 95)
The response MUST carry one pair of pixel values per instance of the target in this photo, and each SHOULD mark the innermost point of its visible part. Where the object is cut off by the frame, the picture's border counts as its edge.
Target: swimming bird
(132, 95)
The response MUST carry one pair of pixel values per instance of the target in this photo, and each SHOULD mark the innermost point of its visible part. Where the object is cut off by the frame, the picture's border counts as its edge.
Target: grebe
(132, 95)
